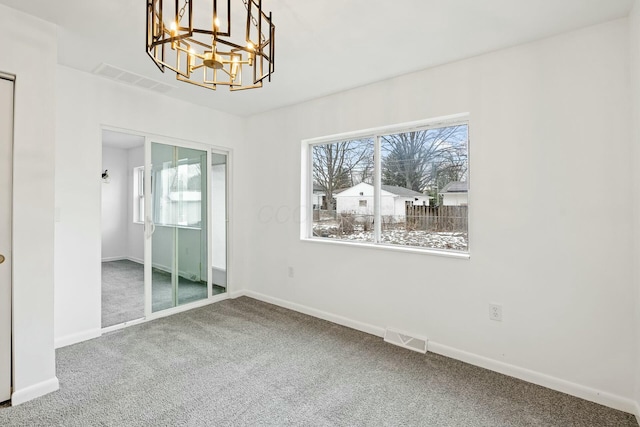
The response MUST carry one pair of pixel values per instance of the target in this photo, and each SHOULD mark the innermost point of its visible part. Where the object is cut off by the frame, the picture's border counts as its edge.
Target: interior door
(177, 265)
(6, 163)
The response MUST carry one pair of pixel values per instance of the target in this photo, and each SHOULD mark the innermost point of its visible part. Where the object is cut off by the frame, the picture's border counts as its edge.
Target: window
(138, 194)
(177, 194)
(177, 197)
(400, 186)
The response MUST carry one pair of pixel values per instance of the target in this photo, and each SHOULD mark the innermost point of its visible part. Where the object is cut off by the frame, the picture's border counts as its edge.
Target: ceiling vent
(120, 75)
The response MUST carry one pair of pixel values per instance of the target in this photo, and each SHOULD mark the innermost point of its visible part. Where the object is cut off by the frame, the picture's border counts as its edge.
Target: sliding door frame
(209, 148)
(227, 220)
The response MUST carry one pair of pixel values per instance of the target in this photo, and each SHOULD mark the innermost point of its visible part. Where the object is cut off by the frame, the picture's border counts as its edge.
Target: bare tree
(361, 166)
(418, 160)
(340, 165)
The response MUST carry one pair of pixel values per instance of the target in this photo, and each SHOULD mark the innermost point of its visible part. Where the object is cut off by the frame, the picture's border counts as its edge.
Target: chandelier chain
(253, 19)
(182, 10)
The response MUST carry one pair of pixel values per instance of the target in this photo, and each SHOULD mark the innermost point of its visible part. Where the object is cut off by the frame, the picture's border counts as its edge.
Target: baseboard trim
(548, 381)
(238, 294)
(544, 380)
(119, 326)
(113, 258)
(76, 338)
(29, 393)
(138, 260)
(334, 318)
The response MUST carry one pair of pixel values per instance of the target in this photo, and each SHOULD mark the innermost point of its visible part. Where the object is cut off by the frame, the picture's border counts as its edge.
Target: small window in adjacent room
(399, 186)
(138, 194)
(177, 194)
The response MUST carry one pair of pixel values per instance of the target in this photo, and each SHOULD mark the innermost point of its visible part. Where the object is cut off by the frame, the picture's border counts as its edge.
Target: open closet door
(6, 164)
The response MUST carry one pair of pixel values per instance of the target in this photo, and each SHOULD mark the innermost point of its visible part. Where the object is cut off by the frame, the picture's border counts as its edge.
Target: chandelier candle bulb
(212, 47)
(250, 52)
(234, 67)
(190, 60)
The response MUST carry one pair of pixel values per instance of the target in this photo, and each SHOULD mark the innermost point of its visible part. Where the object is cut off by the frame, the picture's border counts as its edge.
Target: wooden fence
(437, 218)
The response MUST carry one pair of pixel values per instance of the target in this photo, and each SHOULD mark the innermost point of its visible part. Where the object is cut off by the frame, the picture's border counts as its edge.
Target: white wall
(634, 37)
(86, 103)
(29, 51)
(115, 227)
(550, 117)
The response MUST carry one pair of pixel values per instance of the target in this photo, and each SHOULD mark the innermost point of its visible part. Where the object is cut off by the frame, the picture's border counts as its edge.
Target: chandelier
(199, 47)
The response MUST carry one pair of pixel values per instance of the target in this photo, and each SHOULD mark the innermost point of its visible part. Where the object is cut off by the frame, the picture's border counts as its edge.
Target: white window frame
(306, 211)
(138, 195)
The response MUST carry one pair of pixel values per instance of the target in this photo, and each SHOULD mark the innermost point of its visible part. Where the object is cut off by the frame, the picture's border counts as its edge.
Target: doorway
(164, 227)
(122, 228)
(6, 165)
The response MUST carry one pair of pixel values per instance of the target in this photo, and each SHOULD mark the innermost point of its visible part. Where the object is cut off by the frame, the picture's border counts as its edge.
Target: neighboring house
(455, 193)
(359, 200)
(318, 197)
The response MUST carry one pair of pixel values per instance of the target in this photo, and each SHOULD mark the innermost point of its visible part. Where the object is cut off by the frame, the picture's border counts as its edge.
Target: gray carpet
(246, 363)
(123, 291)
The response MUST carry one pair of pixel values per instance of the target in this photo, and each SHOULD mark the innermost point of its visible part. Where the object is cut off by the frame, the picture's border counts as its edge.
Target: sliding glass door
(177, 270)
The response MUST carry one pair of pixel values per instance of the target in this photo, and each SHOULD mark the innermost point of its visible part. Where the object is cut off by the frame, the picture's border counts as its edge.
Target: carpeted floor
(123, 291)
(246, 363)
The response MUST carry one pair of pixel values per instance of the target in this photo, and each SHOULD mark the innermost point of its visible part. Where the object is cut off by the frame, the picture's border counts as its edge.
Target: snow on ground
(398, 236)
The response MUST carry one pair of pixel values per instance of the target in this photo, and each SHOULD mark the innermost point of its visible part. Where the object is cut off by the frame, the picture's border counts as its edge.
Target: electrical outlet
(495, 312)
(291, 272)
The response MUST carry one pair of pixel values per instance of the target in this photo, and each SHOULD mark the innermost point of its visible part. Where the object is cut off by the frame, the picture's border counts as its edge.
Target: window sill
(182, 227)
(171, 226)
(394, 248)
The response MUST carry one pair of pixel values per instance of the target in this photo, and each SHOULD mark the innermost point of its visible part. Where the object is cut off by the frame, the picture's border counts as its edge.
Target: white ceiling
(324, 47)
